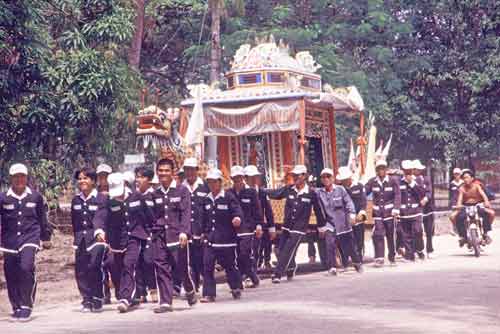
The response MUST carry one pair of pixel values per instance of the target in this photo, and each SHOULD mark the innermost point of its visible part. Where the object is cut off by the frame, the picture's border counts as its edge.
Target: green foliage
(51, 178)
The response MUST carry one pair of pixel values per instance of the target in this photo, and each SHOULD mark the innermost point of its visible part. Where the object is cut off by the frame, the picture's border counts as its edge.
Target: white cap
(191, 162)
(116, 182)
(155, 180)
(129, 177)
(344, 173)
(457, 170)
(328, 171)
(180, 171)
(214, 174)
(237, 171)
(103, 168)
(299, 169)
(381, 163)
(407, 164)
(251, 170)
(18, 169)
(417, 164)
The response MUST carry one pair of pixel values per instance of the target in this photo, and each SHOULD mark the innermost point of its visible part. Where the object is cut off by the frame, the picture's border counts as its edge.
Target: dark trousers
(289, 243)
(381, 230)
(145, 277)
(130, 258)
(311, 248)
(196, 258)
(20, 277)
(171, 262)
(226, 257)
(89, 271)
(409, 228)
(265, 248)
(346, 244)
(358, 232)
(107, 263)
(246, 258)
(115, 265)
(429, 232)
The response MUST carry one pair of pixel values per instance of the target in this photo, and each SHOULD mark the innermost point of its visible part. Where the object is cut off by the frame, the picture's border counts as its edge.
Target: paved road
(454, 293)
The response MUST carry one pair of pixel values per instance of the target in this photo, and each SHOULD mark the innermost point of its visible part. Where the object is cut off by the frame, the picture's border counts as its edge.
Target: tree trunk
(215, 51)
(134, 53)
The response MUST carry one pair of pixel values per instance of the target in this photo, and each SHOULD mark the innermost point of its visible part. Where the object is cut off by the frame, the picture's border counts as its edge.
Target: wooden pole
(333, 139)
(361, 142)
(302, 125)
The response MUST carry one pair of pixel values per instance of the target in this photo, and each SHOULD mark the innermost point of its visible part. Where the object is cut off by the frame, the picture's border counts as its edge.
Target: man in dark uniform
(386, 204)
(23, 224)
(339, 213)
(250, 230)
(411, 212)
(300, 201)
(222, 216)
(89, 240)
(427, 205)
(263, 246)
(145, 272)
(454, 187)
(356, 191)
(127, 218)
(103, 170)
(171, 231)
(199, 190)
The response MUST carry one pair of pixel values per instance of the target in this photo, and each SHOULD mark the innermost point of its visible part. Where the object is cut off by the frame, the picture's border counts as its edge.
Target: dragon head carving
(161, 129)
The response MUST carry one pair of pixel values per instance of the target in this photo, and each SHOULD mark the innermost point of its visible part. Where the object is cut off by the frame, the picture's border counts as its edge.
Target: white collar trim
(25, 193)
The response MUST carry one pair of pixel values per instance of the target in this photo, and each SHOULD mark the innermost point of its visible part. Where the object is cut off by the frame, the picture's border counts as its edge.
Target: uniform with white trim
(298, 207)
(145, 273)
(199, 190)
(127, 228)
(264, 251)
(218, 214)
(89, 253)
(173, 217)
(23, 222)
(386, 204)
(428, 208)
(410, 213)
(252, 218)
(356, 191)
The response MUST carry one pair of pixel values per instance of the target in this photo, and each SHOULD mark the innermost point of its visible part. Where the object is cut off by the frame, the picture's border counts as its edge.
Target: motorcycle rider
(471, 193)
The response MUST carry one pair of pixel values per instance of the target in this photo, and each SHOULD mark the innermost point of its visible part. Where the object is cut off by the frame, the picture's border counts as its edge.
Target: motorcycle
(474, 228)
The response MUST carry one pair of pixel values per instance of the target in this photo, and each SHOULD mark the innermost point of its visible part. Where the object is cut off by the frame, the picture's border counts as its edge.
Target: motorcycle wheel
(475, 242)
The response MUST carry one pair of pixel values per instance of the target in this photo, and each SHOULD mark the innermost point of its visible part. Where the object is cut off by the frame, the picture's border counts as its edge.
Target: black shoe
(96, 306)
(421, 255)
(15, 315)
(86, 307)
(276, 279)
(191, 298)
(24, 315)
(163, 308)
(461, 242)
(359, 268)
(487, 239)
(236, 294)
